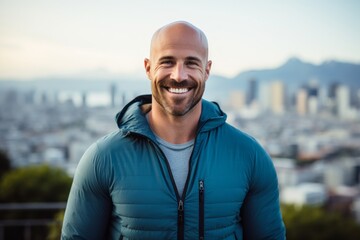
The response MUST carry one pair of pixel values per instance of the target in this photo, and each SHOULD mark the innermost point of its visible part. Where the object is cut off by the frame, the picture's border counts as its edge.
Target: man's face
(178, 69)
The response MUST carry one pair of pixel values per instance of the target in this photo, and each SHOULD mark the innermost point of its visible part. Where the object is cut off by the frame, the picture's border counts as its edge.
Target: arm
(89, 206)
(261, 216)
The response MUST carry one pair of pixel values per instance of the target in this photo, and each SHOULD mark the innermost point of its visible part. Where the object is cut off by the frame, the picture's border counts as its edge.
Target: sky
(49, 38)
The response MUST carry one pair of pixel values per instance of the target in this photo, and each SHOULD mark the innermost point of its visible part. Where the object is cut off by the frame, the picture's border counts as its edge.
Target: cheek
(200, 77)
(200, 74)
(160, 73)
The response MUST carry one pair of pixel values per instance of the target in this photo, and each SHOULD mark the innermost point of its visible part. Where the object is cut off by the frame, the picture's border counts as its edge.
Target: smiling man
(175, 169)
(178, 69)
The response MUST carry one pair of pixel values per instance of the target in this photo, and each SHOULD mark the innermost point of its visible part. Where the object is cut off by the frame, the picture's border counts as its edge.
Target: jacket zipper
(180, 233)
(201, 210)
(180, 200)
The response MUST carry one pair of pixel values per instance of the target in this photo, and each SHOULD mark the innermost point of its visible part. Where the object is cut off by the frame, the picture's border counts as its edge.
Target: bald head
(177, 33)
(178, 69)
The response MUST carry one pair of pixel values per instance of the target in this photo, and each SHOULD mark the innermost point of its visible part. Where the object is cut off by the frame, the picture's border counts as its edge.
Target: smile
(178, 90)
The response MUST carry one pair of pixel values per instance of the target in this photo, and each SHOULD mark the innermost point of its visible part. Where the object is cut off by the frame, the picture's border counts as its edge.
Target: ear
(207, 69)
(147, 67)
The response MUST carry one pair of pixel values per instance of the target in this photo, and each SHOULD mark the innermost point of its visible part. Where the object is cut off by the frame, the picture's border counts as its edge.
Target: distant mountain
(295, 73)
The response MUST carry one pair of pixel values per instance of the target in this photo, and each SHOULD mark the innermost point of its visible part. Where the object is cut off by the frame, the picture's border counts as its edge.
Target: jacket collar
(132, 118)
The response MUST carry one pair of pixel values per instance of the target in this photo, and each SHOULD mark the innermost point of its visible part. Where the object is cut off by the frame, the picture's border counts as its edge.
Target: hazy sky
(41, 38)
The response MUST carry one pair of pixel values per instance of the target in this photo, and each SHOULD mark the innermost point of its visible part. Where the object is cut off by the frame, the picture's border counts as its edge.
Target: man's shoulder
(237, 134)
(240, 139)
(110, 147)
(111, 140)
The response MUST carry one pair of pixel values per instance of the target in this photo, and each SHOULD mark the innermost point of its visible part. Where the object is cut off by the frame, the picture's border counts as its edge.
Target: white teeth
(178, 90)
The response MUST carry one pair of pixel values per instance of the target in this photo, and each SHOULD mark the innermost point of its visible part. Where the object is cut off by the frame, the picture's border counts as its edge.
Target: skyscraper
(84, 100)
(277, 97)
(252, 91)
(342, 101)
(313, 97)
(264, 96)
(113, 94)
(313, 89)
(301, 101)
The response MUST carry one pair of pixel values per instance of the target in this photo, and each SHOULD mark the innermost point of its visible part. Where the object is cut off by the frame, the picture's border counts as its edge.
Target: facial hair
(173, 106)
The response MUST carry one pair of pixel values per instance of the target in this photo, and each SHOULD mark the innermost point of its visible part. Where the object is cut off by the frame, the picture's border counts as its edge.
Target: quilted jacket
(123, 187)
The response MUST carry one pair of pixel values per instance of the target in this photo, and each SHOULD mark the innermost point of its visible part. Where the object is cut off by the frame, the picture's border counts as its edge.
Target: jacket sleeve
(89, 206)
(260, 213)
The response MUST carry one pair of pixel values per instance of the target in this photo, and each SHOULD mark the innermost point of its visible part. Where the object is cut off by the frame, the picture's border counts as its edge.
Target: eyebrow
(166, 58)
(190, 58)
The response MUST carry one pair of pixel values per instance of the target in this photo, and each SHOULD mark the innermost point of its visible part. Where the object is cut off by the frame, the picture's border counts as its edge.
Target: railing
(28, 224)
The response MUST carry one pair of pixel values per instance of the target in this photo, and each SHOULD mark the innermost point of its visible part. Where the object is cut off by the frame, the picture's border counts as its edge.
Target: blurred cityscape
(312, 133)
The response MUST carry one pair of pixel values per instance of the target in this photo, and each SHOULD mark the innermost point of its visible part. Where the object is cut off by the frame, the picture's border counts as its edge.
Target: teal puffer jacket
(123, 187)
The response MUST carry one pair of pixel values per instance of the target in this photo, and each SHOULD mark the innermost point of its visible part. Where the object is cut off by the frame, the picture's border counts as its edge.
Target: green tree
(32, 184)
(314, 223)
(35, 184)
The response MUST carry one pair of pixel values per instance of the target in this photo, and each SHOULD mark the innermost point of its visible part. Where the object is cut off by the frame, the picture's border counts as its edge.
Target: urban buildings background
(306, 116)
(312, 132)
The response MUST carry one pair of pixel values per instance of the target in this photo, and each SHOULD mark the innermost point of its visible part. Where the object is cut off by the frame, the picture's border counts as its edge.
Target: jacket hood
(132, 118)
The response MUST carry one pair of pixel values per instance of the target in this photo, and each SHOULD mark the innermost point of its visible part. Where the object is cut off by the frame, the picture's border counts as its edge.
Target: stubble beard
(174, 106)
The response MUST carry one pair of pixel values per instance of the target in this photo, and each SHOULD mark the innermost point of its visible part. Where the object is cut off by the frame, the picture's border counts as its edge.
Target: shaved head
(178, 68)
(179, 31)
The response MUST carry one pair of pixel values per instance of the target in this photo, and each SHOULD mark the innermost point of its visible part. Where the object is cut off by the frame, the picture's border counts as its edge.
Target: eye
(191, 63)
(166, 62)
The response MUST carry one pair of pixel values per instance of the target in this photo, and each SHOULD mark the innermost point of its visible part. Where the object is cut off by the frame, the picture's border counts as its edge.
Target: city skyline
(43, 39)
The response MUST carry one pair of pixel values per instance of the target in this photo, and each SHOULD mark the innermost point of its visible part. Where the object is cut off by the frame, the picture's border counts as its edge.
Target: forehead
(179, 37)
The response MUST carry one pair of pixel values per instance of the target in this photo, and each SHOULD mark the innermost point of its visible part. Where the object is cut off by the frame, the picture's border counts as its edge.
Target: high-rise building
(113, 94)
(277, 97)
(84, 100)
(332, 90)
(332, 97)
(264, 97)
(252, 91)
(313, 97)
(342, 101)
(323, 96)
(301, 101)
(313, 89)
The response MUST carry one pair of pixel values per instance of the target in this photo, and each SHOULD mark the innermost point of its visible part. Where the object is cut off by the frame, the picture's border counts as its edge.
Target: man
(174, 169)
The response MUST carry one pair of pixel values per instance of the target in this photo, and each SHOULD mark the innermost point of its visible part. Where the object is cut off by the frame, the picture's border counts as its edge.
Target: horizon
(96, 75)
(41, 39)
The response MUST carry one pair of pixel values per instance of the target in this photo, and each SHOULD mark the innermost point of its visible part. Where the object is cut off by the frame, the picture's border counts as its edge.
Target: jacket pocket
(201, 209)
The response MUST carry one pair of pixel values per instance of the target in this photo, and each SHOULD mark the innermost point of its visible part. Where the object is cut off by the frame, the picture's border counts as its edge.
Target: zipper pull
(201, 210)
(180, 211)
(181, 206)
(201, 186)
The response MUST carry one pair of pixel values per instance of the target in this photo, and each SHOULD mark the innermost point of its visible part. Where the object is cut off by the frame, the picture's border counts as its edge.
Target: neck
(174, 129)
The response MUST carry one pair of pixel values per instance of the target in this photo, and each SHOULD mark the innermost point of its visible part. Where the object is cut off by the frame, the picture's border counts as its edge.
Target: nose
(179, 73)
